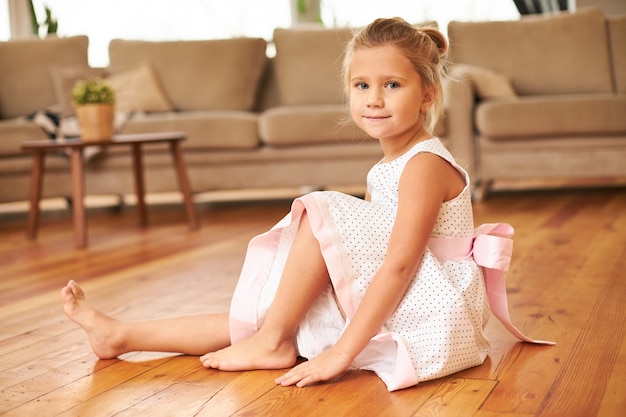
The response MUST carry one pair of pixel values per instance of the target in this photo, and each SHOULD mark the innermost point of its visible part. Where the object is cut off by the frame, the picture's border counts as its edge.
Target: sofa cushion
(617, 39)
(64, 78)
(315, 124)
(25, 82)
(221, 74)
(487, 83)
(308, 65)
(293, 125)
(226, 129)
(548, 54)
(139, 90)
(559, 115)
(15, 131)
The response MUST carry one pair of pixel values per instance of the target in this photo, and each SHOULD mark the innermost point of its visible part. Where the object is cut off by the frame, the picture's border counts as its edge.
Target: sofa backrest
(308, 65)
(222, 74)
(617, 42)
(26, 84)
(547, 54)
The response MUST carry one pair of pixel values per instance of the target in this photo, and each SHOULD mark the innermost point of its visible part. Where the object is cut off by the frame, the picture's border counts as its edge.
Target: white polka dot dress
(438, 327)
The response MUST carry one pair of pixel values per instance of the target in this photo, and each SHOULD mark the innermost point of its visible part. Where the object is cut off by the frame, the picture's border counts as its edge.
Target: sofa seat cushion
(26, 84)
(15, 131)
(557, 115)
(293, 125)
(205, 129)
(219, 74)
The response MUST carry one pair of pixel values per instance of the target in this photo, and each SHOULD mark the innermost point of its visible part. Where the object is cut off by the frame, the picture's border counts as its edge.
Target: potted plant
(94, 101)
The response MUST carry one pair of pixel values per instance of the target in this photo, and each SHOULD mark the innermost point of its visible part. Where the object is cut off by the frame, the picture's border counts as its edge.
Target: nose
(374, 98)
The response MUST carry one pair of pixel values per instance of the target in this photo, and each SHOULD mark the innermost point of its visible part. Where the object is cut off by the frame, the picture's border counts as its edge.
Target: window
(361, 12)
(207, 19)
(152, 20)
(5, 32)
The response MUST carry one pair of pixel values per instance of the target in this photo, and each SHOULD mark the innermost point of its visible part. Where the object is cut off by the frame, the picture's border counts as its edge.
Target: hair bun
(437, 37)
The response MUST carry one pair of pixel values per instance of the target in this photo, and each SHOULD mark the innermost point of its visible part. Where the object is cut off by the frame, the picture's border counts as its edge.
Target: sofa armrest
(459, 102)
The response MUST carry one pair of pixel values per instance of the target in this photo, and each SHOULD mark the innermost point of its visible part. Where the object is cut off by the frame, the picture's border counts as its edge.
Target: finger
(293, 376)
(287, 380)
(306, 381)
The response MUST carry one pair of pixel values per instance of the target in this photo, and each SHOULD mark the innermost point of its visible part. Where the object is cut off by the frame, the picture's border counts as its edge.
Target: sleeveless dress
(437, 328)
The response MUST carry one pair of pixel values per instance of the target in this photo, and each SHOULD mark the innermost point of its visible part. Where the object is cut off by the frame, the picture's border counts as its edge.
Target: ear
(429, 98)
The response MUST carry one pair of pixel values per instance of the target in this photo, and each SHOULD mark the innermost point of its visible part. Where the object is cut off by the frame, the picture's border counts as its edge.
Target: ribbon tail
(496, 293)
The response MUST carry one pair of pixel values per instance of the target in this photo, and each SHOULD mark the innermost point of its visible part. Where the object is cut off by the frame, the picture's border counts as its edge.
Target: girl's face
(386, 94)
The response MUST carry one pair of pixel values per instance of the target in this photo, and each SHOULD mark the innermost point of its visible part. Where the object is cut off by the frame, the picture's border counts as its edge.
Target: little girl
(391, 283)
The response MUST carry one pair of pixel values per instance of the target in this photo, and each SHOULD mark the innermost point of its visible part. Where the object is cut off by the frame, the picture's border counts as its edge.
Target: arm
(426, 182)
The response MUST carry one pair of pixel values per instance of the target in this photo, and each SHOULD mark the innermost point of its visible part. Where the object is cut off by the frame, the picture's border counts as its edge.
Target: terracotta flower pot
(96, 121)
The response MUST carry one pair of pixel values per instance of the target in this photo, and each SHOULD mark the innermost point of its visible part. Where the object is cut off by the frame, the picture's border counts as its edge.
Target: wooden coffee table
(75, 148)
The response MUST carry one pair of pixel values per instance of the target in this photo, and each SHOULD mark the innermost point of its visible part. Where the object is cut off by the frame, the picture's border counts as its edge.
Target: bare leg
(273, 347)
(109, 338)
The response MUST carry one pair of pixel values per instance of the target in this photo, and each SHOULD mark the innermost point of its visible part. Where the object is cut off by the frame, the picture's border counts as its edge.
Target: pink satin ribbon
(491, 247)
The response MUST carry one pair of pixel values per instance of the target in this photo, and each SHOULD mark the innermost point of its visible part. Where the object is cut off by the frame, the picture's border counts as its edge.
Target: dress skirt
(436, 330)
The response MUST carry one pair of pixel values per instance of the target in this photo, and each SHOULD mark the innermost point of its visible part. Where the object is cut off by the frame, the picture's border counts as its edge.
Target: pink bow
(491, 247)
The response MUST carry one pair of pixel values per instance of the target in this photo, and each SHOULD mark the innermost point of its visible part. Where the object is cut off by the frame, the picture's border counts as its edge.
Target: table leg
(78, 196)
(140, 189)
(35, 194)
(183, 183)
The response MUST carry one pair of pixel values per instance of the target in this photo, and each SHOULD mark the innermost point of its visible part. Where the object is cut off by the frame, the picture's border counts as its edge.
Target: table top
(116, 140)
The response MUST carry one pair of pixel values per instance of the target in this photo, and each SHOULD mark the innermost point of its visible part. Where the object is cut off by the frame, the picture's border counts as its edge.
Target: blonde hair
(425, 47)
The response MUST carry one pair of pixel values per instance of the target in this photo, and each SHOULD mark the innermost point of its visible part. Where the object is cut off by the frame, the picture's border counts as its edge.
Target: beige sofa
(251, 121)
(539, 98)
(543, 97)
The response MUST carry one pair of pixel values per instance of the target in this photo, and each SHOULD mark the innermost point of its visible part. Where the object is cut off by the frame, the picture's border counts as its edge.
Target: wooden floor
(567, 284)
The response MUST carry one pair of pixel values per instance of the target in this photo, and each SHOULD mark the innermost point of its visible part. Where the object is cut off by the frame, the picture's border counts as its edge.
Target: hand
(328, 365)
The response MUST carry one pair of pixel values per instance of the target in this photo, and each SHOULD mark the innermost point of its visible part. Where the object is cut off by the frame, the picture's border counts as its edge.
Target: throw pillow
(139, 90)
(63, 79)
(488, 83)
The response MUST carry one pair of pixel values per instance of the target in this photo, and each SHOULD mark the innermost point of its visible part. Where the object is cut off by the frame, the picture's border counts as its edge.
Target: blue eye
(392, 84)
(361, 86)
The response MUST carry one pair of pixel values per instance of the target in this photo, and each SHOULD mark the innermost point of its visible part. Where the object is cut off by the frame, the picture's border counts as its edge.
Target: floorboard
(567, 283)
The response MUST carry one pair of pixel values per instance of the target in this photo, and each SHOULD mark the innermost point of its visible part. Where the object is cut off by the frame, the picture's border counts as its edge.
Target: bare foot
(101, 329)
(256, 352)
